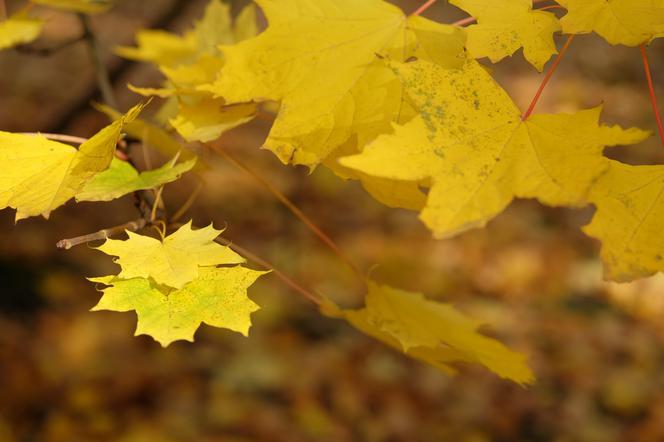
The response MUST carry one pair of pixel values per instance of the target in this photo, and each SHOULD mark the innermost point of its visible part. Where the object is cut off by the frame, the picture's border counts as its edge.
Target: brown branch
(131, 226)
(103, 78)
(267, 266)
(292, 207)
(47, 51)
(651, 89)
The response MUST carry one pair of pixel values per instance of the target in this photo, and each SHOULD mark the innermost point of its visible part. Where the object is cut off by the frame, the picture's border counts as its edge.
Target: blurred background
(67, 374)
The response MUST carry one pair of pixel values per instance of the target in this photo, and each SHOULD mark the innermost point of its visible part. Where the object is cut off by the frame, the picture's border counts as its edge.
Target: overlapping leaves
(176, 284)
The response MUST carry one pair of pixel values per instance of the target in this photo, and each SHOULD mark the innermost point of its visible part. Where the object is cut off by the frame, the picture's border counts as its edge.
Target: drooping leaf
(84, 6)
(217, 297)
(175, 261)
(19, 29)
(320, 59)
(620, 22)
(432, 332)
(505, 26)
(629, 220)
(151, 135)
(121, 179)
(40, 175)
(469, 143)
(207, 118)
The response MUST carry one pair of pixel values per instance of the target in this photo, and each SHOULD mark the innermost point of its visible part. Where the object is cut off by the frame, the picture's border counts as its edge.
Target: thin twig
(131, 226)
(48, 51)
(57, 137)
(653, 97)
(188, 203)
(292, 207)
(103, 78)
(267, 266)
(547, 77)
(470, 20)
(424, 7)
(157, 204)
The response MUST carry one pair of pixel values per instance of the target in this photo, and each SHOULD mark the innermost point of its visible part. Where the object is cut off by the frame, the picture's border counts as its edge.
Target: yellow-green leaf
(469, 143)
(620, 22)
(629, 220)
(175, 261)
(121, 179)
(505, 26)
(320, 59)
(19, 29)
(84, 6)
(217, 297)
(40, 175)
(432, 332)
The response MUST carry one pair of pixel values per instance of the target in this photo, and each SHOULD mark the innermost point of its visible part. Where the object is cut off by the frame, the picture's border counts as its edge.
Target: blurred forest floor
(70, 375)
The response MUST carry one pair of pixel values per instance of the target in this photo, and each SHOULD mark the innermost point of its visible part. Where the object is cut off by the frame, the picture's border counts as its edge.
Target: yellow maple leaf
(430, 331)
(469, 143)
(84, 6)
(19, 29)
(40, 175)
(320, 59)
(175, 261)
(217, 297)
(206, 119)
(504, 27)
(628, 221)
(620, 22)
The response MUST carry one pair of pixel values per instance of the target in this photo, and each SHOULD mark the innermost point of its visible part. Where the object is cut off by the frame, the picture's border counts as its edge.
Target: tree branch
(131, 226)
(103, 79)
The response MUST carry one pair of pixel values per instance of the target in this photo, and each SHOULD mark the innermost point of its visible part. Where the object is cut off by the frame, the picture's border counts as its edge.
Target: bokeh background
(67, 374)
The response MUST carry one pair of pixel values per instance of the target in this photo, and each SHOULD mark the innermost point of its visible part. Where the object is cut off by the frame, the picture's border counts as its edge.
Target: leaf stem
(653, 97)
(547, 77)
(424, 7)
(267, 266)
(292, 207)
(470, 20)
(103, 78)
(131, 226)
(57, 137)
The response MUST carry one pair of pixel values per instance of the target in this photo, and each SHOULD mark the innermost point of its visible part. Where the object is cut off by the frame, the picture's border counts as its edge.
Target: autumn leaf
(320, 59)
(175, 261)
(40, 175)
(196, 60)
(469, 143)
(19, 29)
(121, 179)
(84, 6)
(430, 331)
(217, 297)
(504, 27)
(628, 221)
(620, 22)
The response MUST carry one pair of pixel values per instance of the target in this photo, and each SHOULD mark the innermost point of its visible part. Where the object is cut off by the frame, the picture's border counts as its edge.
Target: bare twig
(48, 51)
(292, 207)
(267, 266)
(57, 137)
(103, 78)
(187, 204)
(131, 226)
(651, 89)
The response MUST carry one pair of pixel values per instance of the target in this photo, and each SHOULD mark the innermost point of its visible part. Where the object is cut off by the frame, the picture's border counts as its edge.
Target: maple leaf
(175, 261)
(504, 27)
(192, 60)
(19, 29)
(83, 6)
(433, 332)
(470, 144)
(121, 179)
(41, 175)
(620, 22)
(319, 59)
(628, 221)
(217, 297)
